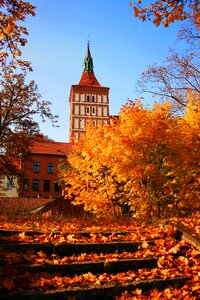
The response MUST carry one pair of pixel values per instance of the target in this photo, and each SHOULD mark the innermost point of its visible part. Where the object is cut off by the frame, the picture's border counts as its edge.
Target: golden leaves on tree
(12, 33)
(142, 160)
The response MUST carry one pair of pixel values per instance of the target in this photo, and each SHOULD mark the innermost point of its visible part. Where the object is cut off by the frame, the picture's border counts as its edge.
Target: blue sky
(122, 48)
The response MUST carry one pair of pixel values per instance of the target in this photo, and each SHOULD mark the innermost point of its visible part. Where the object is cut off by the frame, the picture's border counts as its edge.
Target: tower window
(87, 110)
(82, 97)
(82, 122)
(99, 98)
(93, 110)
(88, 99)
(93, 99)
(105, 99)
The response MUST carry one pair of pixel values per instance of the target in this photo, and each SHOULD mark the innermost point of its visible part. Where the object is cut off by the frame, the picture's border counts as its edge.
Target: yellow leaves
(22, 236)
(12, 34)
(142, 160)
(170, 173)
(192, 116)
(144, 245)
(109, 260)
(137, 292)
(161, 261)
(104, 239)
(70, 238)
(174, 249)
(162, 12)
(6, 30)
(183, 260)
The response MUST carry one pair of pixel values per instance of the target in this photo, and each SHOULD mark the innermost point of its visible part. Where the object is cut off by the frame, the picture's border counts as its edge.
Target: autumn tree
(140, 160)
(12, 34)
(173, 79)
(166, 12)
(179, 73)
(88, 177)
(20, 101)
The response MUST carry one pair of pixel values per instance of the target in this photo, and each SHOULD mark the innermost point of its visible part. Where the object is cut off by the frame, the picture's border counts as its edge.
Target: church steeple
(88, 62)
(88, 100)
(88, 77)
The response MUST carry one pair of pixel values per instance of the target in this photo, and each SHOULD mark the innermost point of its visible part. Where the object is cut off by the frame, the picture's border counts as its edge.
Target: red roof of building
(50, 147)
(88, 78)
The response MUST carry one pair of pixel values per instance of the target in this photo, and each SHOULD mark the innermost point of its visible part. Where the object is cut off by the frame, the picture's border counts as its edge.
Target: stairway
(97, 265)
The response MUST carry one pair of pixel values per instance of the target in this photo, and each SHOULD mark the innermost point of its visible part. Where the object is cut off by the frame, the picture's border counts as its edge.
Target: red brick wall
(43, 174)
(17, 205)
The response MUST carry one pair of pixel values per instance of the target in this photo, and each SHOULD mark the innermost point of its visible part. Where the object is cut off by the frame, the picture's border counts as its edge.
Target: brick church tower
(88, 100)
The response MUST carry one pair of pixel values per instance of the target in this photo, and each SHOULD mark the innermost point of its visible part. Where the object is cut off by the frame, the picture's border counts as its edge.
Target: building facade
(38, 176)
(42, 169)
(88, 100)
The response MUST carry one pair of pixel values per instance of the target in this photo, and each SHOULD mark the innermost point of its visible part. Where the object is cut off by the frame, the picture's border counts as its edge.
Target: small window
(46, 186)
(50, 168)
(36, 167)
(88, 99)
(94, 123)
(35, 185)
(87, 110)
(93, 110)
(10, 183)
(56, 187)
(93, 99)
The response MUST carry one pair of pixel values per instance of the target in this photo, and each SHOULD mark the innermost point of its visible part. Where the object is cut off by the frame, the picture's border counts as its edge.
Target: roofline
(89, 86)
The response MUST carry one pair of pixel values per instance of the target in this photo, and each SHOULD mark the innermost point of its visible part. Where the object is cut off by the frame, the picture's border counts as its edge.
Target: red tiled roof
(88, 78)
(49, 147)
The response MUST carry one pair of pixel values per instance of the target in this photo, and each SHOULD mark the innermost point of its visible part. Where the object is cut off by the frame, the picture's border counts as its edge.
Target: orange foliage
(12, 34)
(143, 160)
(166, 12)
(174, 258)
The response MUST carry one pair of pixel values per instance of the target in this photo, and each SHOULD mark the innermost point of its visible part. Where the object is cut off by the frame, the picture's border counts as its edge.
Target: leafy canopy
(166, 12)
(12, 34)
(139, 160)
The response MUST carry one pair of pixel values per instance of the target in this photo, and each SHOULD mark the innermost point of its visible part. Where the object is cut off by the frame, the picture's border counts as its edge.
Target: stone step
(95, 267)
(4, 232)
(104, 292)
(68, 249)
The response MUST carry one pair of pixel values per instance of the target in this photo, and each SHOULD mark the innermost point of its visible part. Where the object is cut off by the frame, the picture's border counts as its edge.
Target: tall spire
(88, 77)
(88, 62)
